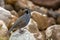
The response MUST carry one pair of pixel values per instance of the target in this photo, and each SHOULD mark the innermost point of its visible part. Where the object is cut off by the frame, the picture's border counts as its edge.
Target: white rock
(25, 36)
(5, 15)
(4, 12)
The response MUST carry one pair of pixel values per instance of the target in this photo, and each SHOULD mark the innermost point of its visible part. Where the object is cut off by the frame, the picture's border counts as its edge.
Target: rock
(10, 1)
(26, 35)
(40, 36)
(20, 12)
(58, 20)
(58, 11)
(13, 12)
(3, 31)
(51, 21)
(14, 17)
(5, 15)
(5, 12)
(2, 3)
(41, 10)
(41, 20)
(31, 5)
(53, 14)
(8, 7)
(47, 3)
(20, 4)
(17, 6)
(32, 26)
(53, 32)
(24, 4)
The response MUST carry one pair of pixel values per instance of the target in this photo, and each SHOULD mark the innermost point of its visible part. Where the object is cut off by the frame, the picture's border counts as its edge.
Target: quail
(22, 21)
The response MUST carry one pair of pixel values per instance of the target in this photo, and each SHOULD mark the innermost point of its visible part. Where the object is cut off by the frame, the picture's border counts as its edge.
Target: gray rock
(2, 3)
(53, 32)
(24, 36)
(5, 15)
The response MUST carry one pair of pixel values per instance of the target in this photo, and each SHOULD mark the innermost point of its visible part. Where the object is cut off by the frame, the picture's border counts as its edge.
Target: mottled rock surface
(53, 32)
(3, 31)
(26, 35)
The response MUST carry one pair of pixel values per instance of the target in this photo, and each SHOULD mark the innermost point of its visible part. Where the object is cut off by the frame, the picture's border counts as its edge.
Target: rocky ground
(44, 23)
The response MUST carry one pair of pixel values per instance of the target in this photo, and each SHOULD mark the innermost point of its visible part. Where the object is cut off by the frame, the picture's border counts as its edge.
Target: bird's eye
(27, 12)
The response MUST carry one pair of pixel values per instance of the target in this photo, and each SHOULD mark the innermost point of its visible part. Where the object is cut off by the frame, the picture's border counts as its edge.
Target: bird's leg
(21, 31)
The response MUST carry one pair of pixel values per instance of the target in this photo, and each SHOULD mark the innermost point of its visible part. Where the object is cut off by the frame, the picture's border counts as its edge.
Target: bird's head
(27, 11)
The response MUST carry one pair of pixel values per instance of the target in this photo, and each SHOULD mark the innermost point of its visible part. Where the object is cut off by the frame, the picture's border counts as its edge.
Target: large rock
(41, 20)
(26, 35)
(10, 1)
(5, 15)
(33, 28)
(53, 32)
(47, 3)
(24, 4)
(8, 7)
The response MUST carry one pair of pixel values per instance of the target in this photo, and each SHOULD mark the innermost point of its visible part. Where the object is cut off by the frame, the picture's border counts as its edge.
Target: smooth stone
(53, 32)
(41, 20)
(5, 15)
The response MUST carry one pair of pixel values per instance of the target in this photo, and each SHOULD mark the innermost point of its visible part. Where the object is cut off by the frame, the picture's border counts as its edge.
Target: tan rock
(3, 31)
(20, 12)
(24, 4)
(40, 19)
(10, 1)
(20, 4)
(13, 19)
(13, 12)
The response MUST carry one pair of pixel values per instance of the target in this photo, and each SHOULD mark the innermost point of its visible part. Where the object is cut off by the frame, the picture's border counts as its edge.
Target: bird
(22, 21)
